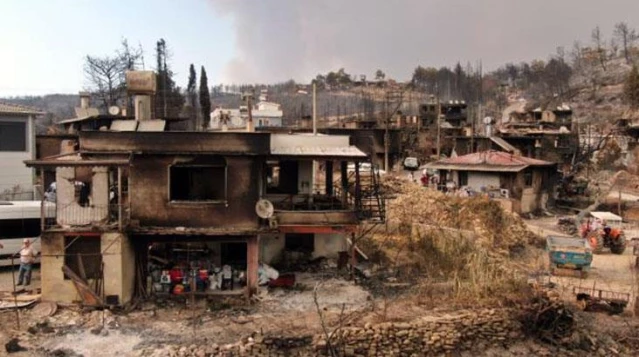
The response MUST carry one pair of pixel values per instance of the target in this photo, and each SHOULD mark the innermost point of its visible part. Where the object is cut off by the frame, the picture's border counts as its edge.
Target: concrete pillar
(119, 265)
(252, 261)
(250, 126)
(329, 178)
(358, 189)
(142, 106)
(54, 287)
(84, 99)
(100, 187)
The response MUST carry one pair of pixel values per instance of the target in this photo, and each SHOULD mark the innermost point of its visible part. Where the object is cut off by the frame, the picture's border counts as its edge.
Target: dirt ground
(156, 328)
(608, 271)
(224, 321)
(6, 278)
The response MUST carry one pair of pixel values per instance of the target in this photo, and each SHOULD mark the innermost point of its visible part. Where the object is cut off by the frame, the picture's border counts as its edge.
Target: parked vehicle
(604, 230)
(569, 253)
(18, 220)
(411, 164)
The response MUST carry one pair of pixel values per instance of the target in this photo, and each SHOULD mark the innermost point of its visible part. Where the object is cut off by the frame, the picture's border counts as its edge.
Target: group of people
(27, 257)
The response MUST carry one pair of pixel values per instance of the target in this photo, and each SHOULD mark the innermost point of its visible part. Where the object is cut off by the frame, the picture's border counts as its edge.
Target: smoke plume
(278, 40)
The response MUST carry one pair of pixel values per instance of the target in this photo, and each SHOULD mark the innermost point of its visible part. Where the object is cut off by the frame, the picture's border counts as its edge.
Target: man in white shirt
(27, 257)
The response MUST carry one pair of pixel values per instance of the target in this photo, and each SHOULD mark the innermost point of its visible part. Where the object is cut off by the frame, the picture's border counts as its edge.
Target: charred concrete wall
(151, 205)
(326, 245)
(117, 256)
(54, 286)
(176, 142)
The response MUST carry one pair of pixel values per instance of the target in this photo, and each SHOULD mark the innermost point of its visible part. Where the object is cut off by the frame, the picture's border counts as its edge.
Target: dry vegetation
(467, 251)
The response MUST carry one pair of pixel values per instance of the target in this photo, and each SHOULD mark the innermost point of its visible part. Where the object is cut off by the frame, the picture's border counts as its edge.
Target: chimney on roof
(85, 98)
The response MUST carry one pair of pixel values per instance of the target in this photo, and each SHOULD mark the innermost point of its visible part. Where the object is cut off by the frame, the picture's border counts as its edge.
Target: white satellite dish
(236, 121)
(488, 120)
(264, 209)
(114, 110)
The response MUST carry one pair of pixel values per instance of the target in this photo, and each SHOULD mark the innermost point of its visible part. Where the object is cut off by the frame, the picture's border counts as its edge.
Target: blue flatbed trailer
(569, 253)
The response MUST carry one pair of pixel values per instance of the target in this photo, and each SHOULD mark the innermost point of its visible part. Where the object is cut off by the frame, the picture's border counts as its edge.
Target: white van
(18, 220)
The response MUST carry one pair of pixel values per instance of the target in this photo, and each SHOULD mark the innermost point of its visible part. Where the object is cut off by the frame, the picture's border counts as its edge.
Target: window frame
(70, 259)
(528, 174)
(223, 201)
(25, 123)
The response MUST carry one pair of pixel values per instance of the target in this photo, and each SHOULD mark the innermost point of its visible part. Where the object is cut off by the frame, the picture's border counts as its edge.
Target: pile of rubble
(568, 225)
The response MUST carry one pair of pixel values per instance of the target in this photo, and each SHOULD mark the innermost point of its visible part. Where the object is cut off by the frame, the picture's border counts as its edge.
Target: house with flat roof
(133, 205)
(17, 143)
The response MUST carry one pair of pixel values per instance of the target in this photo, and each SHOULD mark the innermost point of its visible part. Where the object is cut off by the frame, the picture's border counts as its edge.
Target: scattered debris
(14, 346)
(597, 300)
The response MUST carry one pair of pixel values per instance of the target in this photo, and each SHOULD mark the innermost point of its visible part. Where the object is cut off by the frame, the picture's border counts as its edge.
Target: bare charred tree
(106, 76)
(631, 88)
(626, 36)
(600, 46)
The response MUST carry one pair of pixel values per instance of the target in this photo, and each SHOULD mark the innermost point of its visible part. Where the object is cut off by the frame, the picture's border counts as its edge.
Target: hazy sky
(43, 42)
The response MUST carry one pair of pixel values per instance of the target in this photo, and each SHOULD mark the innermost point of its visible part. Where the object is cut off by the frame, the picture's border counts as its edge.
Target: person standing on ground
(27, 257)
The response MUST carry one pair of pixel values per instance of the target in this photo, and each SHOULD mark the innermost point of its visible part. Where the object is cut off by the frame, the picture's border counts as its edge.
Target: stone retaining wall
(422, 337)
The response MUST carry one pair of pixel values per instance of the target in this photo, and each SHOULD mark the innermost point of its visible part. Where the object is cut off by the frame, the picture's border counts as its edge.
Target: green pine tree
(191, 93)
(205, 98)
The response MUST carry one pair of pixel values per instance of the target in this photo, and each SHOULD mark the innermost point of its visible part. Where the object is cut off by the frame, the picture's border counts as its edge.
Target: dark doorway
(300, 242)
(234, 254)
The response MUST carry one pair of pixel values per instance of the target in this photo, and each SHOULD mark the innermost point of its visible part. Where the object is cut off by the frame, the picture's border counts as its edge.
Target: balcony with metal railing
(73, 216)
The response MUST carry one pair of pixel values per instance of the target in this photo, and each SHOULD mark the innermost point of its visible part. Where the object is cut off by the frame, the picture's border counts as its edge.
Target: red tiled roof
(488, 161)
(6, 108)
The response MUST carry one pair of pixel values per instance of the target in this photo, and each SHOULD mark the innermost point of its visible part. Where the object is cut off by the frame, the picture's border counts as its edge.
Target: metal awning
(344, 152)
(608, 216)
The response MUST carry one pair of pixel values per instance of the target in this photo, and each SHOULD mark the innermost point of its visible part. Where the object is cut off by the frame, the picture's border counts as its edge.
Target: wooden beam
(88, 296)
(252, 258)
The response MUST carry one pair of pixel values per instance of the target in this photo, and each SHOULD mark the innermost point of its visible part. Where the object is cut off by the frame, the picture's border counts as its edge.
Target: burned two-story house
(546, 134)
(144, 211)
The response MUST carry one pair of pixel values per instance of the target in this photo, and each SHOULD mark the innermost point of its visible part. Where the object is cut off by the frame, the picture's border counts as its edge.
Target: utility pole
(314, 108)
(386, 134)
(437, 121)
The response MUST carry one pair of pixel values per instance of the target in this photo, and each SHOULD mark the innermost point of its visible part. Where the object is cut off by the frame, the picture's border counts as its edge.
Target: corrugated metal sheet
(608, 216)
(152, 125)
(124, 125)
(318, 151)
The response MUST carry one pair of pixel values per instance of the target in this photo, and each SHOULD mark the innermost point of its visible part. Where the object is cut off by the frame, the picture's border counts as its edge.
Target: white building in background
(265, 114)
(17, 143)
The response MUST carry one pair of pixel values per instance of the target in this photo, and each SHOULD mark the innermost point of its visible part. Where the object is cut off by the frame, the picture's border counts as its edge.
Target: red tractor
(603, 230)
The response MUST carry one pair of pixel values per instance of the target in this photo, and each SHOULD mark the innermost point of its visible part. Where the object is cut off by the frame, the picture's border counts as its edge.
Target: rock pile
(432, 335)
(437, 335)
